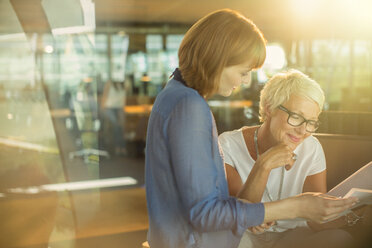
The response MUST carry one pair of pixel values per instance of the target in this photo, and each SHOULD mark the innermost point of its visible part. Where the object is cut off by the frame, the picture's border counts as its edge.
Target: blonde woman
(280, 158)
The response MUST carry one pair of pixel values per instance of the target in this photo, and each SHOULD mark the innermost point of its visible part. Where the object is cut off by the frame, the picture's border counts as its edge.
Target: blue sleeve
(190, 135)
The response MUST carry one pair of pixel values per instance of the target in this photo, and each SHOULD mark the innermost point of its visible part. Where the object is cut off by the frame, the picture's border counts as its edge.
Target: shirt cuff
(254, 216)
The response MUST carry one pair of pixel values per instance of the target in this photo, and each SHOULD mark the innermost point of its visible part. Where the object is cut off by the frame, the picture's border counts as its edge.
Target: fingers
(329, 218)
(280, 155)
(270, 224)
(343, 204)
(258, 230)
(322, 207)
(261, 228)
(264, 225)
(340, 202)
(334, 207)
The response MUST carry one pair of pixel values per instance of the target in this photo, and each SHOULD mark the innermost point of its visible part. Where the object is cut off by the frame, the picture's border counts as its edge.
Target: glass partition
(31, 157)
(56, 166)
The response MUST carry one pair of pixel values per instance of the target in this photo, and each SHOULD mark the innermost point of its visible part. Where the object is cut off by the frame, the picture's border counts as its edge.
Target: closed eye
(296, 116)
(245, 73)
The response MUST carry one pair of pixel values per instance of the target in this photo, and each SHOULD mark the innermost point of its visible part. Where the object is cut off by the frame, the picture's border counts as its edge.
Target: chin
(225, 94)
(295, 144)
(292, 144)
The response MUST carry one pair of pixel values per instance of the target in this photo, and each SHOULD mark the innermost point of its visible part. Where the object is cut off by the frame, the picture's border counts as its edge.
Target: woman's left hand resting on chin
(277, 156)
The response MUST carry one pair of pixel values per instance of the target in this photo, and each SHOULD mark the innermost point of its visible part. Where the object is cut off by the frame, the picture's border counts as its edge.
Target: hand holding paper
(364, 196)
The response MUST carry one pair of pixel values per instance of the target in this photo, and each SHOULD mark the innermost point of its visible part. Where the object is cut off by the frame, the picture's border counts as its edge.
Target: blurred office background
(72, 165)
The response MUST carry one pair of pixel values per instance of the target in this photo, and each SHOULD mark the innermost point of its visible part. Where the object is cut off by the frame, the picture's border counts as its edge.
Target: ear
(267, 109)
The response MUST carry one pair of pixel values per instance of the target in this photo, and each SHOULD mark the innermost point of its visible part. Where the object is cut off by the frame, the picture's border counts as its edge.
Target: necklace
(282, 176)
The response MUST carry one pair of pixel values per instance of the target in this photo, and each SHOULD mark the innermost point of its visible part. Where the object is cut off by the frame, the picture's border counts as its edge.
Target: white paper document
(364, 196)
(359, 184)
(361, 179)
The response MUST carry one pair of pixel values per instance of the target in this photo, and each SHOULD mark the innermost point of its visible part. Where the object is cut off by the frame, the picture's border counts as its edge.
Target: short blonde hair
(282, 85)
(221, 39)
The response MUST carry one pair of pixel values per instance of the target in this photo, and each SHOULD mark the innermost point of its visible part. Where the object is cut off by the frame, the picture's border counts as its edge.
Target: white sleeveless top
(310, 161)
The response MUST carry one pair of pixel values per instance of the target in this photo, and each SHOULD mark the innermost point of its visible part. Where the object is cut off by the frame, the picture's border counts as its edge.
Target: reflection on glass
(29, 151)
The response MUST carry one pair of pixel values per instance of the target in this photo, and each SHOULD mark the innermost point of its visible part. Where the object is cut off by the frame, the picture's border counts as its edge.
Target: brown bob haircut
(220, 39)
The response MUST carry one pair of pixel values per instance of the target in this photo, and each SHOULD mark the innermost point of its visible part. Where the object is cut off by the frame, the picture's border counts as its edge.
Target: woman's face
(281, 131)
(234, 76)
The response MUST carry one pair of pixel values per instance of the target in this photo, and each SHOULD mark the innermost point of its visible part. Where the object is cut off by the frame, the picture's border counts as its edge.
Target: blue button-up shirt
(187, 194)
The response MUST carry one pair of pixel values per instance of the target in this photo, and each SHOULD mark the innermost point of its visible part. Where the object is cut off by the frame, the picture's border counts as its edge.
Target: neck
(264, 138)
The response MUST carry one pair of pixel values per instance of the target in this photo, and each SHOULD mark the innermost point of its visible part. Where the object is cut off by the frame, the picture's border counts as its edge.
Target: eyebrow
(302, 114)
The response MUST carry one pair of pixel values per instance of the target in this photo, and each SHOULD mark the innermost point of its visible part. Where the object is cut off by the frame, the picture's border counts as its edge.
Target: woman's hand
(315, 207)
(320, 207)
(362, 214)
(277, 156)
(261, 228)
(254, 186)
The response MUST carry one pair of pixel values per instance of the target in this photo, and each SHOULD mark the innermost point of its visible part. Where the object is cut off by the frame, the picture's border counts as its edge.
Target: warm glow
(275, 58)
(306, 8)
(48, 49)
(354, 14)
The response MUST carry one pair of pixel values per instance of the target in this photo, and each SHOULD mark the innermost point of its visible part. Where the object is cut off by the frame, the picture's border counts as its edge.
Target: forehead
(303, 105)
(246, 65)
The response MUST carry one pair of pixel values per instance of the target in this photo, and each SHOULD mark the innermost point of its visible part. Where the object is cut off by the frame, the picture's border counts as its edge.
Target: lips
(294, 138)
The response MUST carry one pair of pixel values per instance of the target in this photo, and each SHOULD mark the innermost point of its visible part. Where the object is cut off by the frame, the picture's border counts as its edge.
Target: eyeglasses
(297, 120)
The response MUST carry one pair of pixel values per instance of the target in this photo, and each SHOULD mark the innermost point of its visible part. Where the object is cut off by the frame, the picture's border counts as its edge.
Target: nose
(301, 129)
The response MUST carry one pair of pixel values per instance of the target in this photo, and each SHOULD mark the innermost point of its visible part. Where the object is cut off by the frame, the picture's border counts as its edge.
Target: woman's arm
(254, 187)
(315, 207)
(233, 180)
(255, 184)
(316, 183)
(312, 206)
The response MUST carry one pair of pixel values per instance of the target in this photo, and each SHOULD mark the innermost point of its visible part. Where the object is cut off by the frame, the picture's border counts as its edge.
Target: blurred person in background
(112, 103)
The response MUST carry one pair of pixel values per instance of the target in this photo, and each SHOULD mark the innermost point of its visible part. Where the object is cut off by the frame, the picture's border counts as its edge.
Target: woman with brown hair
(187, 195)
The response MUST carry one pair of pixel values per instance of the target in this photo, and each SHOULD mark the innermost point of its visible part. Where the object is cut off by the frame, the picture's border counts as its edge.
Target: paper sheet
(361, 179)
